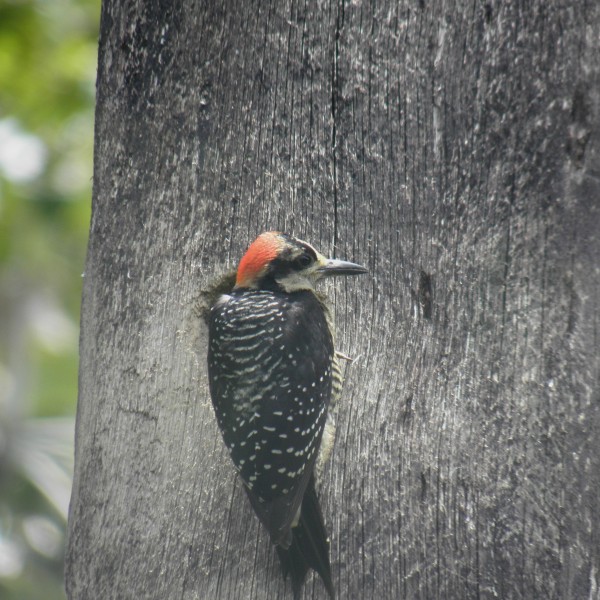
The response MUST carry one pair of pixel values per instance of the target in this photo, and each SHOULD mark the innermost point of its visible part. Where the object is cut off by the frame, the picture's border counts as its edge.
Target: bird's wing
(270, 375)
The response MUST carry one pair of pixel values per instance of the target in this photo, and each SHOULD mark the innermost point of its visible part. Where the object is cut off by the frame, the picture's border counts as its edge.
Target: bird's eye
(304, 260)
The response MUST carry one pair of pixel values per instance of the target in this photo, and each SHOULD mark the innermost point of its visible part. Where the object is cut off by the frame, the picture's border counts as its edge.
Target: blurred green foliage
(48, 51)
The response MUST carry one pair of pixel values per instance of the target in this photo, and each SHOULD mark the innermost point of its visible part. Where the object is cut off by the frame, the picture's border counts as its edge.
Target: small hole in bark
(425, 294)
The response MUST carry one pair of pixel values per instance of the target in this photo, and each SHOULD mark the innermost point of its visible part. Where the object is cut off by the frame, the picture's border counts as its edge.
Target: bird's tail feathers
(310, 546)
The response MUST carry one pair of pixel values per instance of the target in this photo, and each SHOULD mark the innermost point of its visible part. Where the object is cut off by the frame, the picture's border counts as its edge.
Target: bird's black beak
(340, 267)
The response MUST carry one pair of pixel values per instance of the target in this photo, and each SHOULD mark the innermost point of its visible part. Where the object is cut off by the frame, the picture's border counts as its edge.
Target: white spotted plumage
(256, 377)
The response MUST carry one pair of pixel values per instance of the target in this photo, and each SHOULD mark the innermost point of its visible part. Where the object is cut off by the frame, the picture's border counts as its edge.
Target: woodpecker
(273, 374)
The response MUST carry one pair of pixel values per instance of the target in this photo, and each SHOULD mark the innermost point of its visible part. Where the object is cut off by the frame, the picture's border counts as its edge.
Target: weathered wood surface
(454, 148)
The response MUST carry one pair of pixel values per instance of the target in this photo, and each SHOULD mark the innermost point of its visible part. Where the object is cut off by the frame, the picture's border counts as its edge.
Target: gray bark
(453, 147)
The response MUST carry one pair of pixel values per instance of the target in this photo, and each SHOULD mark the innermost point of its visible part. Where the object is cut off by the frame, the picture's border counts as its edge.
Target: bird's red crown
(261, 252)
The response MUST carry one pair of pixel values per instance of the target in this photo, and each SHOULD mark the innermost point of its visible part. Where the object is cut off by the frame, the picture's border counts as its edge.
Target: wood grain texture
(451, 146)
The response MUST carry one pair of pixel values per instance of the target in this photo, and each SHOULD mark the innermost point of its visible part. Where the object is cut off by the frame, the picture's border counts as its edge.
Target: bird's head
(279, 261)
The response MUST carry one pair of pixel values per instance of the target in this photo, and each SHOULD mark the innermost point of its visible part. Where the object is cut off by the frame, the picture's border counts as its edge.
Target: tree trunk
(454, 149)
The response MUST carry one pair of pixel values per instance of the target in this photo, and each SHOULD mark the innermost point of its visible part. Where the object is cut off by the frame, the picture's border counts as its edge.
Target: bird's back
(270, 374)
